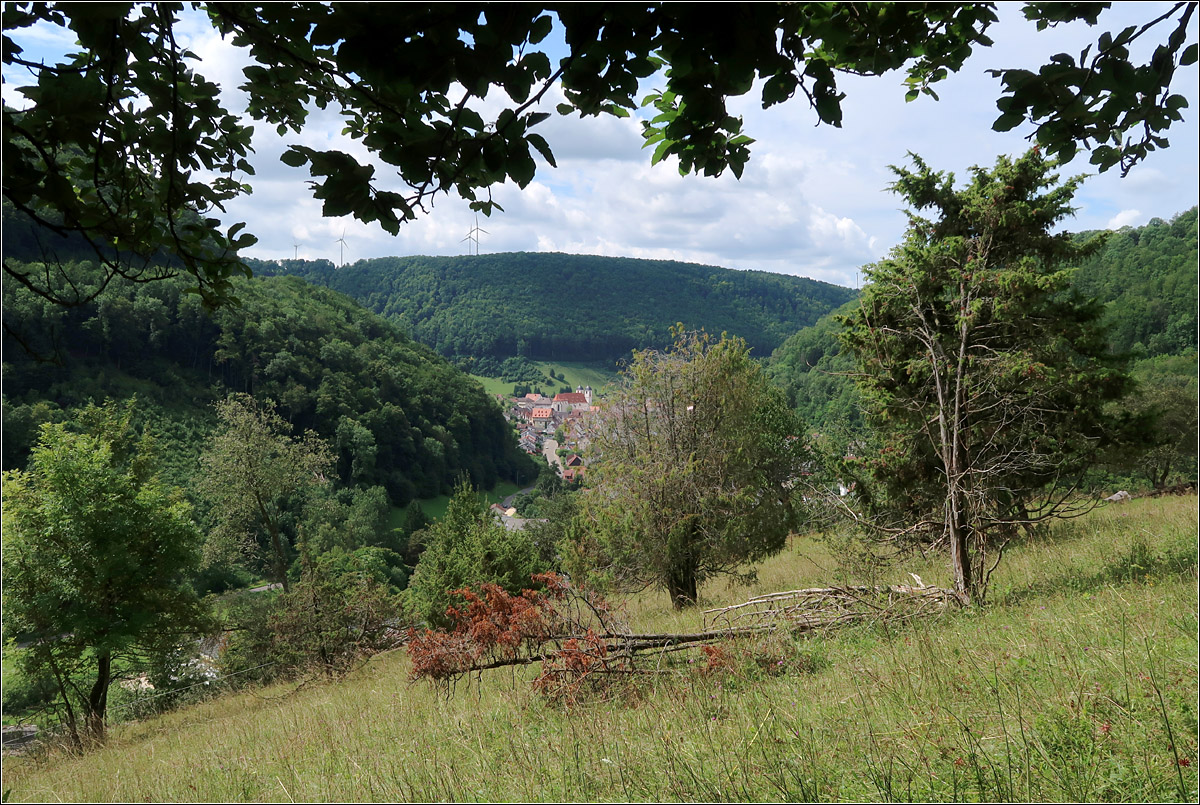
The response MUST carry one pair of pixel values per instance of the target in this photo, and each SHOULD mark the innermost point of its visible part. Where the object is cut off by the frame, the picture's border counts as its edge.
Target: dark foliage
(396, 414)
(570, 307)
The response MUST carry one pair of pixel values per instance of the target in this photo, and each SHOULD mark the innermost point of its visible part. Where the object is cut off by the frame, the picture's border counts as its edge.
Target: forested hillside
(816, 375)
(1146, 278)
(570, 307)
(398, 415)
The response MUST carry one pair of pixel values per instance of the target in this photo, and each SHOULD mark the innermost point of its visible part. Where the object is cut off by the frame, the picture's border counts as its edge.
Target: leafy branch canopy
(126, 146)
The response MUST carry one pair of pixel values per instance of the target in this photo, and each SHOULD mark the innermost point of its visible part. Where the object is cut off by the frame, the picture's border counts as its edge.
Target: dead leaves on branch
(583, 645)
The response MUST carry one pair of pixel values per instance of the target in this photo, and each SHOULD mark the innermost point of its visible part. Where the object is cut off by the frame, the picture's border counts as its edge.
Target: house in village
(573, 468)
(578, 400)
(536, 417)
(543, 419)
(528, 441)
(508, 517)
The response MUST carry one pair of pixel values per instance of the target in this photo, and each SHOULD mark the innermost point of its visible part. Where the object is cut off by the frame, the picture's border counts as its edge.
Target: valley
(593, 402)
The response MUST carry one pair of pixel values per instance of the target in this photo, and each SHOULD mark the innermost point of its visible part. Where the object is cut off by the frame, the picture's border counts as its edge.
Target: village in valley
(557, 428)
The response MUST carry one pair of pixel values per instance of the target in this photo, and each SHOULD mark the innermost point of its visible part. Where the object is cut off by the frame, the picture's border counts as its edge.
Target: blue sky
(812, 201)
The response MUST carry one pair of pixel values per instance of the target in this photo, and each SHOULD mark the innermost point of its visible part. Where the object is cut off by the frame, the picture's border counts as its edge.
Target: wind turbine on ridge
(342, 248)
(473, 235)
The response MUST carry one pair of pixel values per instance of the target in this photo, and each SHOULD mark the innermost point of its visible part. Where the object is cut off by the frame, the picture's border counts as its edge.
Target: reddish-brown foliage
(582, 665)
(564, 628)
(719, 660)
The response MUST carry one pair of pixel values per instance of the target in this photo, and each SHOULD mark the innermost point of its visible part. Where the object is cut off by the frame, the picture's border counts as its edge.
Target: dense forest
(1145, 277)
(570, 307)
(397, 415)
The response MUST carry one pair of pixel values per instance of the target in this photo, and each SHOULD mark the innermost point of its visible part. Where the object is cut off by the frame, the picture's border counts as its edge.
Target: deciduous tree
(96, 553)
(114, 143)
(1167, 396)
(986, 376)
(692, 466)
(252, 474)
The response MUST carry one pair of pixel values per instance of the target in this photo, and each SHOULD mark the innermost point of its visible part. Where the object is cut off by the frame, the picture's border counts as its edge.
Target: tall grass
(1079, 682)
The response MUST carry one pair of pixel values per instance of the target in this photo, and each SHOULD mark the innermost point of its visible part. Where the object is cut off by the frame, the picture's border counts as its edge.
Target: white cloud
(813, 200)
(1125, 218)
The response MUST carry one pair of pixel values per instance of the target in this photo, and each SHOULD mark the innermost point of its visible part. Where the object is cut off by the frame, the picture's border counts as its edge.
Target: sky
(813, 200)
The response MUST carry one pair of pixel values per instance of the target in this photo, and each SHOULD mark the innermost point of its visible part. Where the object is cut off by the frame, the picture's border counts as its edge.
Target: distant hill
(396, 414)
(1146, 277)
(550, 306)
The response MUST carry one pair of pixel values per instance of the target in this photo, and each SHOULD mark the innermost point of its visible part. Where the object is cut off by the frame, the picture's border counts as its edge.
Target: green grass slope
(1079, 683)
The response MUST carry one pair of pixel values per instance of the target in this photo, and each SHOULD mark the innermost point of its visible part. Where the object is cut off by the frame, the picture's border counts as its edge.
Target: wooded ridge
(398, 415)
(570, 306)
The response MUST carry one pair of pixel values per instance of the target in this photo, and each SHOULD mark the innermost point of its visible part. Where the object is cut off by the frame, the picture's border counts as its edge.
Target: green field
(1077, 683)
(576, 374)
(435, 508)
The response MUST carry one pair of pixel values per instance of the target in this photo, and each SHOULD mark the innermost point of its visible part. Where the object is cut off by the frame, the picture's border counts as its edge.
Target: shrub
(467, 548)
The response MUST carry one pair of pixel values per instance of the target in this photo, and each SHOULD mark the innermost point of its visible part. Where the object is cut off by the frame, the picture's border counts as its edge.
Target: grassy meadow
(576, 374)
(1077, 682)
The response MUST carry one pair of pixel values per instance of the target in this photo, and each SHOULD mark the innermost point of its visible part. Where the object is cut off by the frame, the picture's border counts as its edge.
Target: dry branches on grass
(825, 607)
(582, 642)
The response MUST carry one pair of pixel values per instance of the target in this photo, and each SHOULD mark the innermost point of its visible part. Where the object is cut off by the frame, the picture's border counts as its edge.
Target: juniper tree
(985, 375)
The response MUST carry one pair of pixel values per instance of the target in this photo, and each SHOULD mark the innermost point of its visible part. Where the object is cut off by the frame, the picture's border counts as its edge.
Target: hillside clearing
(1079, 682)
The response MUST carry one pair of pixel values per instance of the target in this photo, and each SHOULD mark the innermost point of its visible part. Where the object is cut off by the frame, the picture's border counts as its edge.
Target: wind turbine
(473, 235)
(342, 248)
(296, 247)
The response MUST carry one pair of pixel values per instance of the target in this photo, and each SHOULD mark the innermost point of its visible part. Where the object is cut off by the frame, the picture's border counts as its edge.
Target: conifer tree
(985, 375)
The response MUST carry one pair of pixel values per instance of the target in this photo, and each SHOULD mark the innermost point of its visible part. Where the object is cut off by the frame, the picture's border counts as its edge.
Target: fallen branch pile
(580, 639)
(825, 607)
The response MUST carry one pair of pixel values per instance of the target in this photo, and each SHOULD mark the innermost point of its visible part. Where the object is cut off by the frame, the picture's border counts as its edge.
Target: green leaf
(1008, 121)
(543, 148)
(661, 152)
(293, 157)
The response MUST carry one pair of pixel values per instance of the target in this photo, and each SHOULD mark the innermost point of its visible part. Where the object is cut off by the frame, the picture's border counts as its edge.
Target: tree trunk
(97, 703)
(279, 561)
(960, 558)
(681, 584)
(65, 693)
